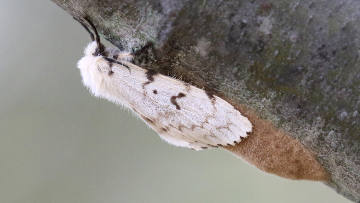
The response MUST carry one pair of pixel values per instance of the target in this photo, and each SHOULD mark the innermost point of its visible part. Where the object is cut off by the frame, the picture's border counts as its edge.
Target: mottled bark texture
(294, 63)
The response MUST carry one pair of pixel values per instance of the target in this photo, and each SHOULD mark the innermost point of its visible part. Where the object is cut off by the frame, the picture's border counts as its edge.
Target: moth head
(95, 48)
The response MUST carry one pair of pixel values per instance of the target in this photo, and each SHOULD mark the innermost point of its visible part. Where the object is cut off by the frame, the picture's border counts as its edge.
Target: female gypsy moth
(181, 114)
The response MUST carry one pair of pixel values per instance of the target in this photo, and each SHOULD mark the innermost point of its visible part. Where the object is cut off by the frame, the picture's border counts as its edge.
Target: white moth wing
(182, 114)
(193, 116)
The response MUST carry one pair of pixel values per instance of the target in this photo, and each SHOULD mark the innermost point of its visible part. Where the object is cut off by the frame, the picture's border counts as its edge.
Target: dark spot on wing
(155, 91)
(164, 129)
(115, 56)
(210, 94)
(213, 146)
(173, 100)
(150, 76)
(147, 119)
(110, 65)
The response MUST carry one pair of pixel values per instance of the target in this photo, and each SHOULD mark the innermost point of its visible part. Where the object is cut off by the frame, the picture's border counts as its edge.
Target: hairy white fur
(181, 114)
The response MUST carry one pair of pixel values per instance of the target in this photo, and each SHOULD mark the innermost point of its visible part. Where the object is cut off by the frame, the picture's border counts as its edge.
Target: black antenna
(86, 28)
(97, 37)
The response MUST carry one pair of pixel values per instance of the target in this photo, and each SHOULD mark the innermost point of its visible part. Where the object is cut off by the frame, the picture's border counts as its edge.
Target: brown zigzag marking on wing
(173, 100)
(150, 76)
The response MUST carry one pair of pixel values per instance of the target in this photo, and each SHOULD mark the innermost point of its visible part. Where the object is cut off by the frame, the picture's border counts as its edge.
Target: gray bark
(296, 63)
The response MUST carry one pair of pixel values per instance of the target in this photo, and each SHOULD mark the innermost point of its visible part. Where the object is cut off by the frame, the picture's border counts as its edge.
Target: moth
(182, 114)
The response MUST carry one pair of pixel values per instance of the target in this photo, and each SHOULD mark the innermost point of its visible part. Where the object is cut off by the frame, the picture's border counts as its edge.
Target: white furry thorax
(88, 65)
(182, 114)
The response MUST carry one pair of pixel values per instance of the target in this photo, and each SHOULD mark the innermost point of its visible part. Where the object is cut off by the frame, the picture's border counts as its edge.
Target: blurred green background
(60, 144)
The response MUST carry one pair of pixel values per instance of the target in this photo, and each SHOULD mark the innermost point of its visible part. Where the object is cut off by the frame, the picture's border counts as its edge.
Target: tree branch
(291, 66)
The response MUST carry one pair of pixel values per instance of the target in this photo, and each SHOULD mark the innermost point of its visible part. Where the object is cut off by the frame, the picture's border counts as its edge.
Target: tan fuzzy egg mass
(274, 151)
